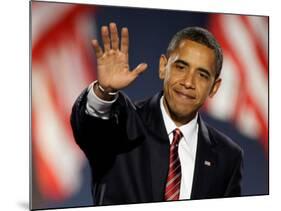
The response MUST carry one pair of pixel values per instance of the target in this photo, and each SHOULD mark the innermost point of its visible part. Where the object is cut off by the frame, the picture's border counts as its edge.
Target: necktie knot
(177, 136)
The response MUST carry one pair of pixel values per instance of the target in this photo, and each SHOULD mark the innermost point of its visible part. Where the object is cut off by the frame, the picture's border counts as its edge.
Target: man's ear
(215, 87)
(162, 66)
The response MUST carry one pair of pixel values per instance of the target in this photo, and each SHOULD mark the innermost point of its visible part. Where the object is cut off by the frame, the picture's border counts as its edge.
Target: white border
(14, 111)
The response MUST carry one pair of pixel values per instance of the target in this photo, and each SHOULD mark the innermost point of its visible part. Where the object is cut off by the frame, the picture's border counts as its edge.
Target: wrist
(103, 93)
(106, 91)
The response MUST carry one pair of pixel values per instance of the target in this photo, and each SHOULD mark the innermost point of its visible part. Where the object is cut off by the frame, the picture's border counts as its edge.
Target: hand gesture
(112, 61)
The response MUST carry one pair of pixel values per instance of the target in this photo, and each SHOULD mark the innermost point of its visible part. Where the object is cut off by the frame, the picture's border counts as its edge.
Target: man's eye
(204, 75)
(179, 67)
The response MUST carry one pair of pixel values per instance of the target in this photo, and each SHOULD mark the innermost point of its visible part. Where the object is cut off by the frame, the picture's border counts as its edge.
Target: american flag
(243, 97)
(61, 68)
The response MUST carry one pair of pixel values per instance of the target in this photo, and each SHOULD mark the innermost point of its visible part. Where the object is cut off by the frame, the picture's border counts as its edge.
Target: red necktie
(172, 191)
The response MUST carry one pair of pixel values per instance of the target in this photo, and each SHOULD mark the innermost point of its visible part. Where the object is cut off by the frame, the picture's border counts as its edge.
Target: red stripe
(261, 121)
(56, 98)
(57, 104)
(174, 170)
(170, 186)
(85, 52)
(52, 39)
(216, 27)
(260, 52)
(172, 189)
(45, 174)
(173, 156)
(46, 177)
(173, 162)
(176, 197)
(64, 25)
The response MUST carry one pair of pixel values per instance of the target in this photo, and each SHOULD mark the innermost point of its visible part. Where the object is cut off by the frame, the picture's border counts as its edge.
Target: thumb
(139, 69)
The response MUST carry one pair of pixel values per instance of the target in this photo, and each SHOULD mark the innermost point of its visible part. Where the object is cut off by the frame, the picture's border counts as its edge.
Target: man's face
(189, 78)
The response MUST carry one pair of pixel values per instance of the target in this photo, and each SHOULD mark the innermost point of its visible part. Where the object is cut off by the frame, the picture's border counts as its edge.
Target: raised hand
(112, 61)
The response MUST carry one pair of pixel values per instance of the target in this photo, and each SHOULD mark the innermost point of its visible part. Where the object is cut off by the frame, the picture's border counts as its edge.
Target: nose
(188, 80)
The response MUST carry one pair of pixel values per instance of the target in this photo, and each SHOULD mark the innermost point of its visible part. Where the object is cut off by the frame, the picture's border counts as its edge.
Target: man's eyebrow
(179, 61)
(205, 71)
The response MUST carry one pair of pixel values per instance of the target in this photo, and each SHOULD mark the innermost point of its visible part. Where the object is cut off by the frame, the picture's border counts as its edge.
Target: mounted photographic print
(135, 105)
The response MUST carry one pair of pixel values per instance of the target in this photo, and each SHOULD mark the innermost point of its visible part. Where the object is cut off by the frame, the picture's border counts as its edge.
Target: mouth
(185, 96)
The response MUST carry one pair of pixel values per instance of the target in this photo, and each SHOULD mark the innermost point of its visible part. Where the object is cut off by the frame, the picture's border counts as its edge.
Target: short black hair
(202, 36)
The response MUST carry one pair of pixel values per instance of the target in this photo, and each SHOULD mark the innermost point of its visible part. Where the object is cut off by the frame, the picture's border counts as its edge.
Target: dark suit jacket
(129, 154)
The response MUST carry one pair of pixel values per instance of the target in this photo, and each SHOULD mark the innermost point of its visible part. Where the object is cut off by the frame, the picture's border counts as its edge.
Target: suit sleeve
(102, 140)
(234, 186)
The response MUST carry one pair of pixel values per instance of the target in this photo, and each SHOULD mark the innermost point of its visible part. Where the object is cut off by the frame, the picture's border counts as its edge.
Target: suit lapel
(205, 164)
(158, 146)
(159, 168)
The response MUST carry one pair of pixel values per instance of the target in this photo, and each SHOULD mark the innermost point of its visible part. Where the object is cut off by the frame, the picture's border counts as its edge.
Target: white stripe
(44, 16)
(261, 31)
(66, 65)
(67, 71)
(222, 105)
(175, 186)
(51, 137)
(244, 49)
(248, 123)
(173, 179)
(172, 197)
(171, 164)
(175, 155)
(173, 146)
(175, 168)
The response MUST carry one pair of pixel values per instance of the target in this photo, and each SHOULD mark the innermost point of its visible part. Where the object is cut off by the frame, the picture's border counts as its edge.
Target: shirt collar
(188, 130)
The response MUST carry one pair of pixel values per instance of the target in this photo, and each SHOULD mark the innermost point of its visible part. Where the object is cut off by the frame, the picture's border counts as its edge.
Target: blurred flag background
(61, 67)
(63, 64)
(243, 97)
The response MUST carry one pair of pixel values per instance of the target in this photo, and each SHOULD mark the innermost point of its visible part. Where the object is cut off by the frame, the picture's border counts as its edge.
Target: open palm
(112, 62)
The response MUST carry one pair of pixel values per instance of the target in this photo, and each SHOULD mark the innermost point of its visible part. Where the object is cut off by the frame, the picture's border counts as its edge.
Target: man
(158, 149)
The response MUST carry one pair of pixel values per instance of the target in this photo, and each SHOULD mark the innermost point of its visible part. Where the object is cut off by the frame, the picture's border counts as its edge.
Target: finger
(97, 48)
(114, 36)
(139, 69)
(124, 40)
(105, 38)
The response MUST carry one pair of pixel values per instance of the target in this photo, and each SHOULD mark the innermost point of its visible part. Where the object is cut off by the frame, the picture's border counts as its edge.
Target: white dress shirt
(187, 149)
(187, 146)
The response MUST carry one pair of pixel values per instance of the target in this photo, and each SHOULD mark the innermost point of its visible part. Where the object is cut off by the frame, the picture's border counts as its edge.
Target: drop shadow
(24, 205)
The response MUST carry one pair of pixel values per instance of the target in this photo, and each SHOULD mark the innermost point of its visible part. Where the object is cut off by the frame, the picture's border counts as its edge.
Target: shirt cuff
(97, 107)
